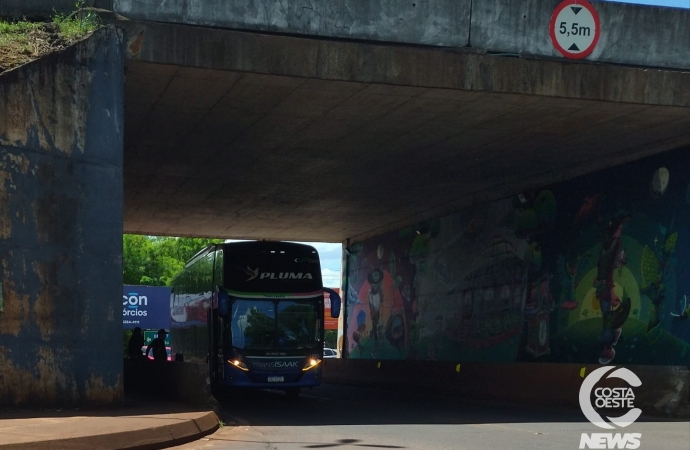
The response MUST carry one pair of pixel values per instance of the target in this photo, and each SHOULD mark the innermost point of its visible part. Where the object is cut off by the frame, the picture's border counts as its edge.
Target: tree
(331, 338)
(155, 260)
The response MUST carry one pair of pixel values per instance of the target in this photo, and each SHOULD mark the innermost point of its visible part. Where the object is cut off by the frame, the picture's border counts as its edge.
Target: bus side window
(218, 269)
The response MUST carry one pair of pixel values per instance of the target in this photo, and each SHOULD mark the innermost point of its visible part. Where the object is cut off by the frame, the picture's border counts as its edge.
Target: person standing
(136, 342)
(158, 346)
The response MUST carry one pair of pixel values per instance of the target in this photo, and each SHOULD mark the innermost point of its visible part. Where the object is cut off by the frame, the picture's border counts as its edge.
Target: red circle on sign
(597, 26)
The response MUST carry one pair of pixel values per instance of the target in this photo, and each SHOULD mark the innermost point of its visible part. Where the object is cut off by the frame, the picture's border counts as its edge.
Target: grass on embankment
(24, 41)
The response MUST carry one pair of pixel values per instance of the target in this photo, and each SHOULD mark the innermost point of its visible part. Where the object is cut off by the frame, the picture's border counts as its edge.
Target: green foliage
(24, 41)
(17, 34)
(154, 261)
(7, 28)
(330, 338)
(78, 24)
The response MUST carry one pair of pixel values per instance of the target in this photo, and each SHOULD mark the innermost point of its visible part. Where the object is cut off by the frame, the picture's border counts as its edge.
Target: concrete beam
(61, 134)
(630, 34)
(401, 65)
(436, 22)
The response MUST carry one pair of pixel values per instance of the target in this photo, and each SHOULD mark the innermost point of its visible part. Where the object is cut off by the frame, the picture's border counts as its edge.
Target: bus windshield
(259, 324)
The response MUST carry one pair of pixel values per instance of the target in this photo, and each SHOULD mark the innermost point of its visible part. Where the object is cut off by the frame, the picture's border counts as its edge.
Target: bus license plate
(276, 379)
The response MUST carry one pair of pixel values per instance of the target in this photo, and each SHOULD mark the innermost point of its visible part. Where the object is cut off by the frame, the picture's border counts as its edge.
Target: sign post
(149, 336)
(575, 28)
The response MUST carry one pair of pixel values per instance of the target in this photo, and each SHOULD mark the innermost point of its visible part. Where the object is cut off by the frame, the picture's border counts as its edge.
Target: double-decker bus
(254, 311)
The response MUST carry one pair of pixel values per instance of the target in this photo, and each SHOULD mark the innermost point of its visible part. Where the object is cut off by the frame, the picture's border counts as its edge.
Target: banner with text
(146, 307)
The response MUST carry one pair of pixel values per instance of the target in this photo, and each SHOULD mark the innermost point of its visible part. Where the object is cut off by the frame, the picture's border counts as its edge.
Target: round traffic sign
(575, 28)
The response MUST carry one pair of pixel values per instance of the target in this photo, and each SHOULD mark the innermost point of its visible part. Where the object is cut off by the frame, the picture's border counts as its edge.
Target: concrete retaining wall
(61, 140)
(630, 34)
(665, 390)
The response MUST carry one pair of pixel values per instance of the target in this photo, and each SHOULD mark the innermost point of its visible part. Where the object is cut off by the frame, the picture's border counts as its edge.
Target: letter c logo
(586, 390)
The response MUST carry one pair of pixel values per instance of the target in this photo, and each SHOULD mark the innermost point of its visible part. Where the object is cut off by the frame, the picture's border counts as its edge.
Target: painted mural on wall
(594, 270)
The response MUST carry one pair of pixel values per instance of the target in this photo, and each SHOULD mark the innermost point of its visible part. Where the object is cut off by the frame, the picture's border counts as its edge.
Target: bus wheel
(292, 392)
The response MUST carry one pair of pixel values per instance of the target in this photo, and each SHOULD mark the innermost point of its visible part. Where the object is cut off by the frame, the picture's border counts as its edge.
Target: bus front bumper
(233, 376)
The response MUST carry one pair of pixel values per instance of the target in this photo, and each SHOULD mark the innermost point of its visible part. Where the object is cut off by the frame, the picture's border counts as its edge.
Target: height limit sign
(575, 28)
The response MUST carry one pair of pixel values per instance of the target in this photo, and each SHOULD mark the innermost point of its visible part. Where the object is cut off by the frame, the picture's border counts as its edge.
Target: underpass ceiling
(242, 155)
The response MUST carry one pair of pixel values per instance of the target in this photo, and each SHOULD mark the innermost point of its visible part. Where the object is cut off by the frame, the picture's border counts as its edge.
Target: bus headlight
(312, 361)
(239, 364)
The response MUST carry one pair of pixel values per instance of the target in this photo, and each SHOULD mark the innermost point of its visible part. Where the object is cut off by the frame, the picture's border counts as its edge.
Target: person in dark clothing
(158, 346)
(135, 344)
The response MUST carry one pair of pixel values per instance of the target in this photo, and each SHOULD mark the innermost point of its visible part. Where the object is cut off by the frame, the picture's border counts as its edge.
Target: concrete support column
(61, 139)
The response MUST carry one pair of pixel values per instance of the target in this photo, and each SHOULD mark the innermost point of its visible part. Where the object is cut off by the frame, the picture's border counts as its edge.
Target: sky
(671, 3)
(330, 255)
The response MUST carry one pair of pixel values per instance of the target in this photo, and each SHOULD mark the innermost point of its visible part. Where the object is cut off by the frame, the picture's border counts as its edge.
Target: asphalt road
(342, 417)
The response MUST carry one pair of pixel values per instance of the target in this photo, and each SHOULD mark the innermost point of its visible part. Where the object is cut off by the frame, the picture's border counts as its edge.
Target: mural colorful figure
(593, 270)
(615, 310)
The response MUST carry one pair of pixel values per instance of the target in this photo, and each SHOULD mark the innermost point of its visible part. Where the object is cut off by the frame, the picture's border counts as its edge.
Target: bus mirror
(335, 302)
(223, 302)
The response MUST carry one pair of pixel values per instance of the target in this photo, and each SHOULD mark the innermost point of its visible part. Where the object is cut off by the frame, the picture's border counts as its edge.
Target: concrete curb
(142, 439)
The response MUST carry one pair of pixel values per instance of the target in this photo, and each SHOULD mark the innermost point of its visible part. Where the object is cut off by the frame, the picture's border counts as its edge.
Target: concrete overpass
(225, 127)
(230, 108)
(271, 121)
